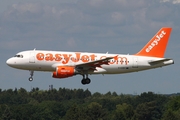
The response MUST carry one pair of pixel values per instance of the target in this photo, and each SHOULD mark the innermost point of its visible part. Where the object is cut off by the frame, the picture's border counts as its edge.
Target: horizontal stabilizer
(158, 61)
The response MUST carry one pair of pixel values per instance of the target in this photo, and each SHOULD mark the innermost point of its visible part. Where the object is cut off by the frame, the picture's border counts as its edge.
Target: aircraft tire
(83, 81)
(30, 79)
(88, 81)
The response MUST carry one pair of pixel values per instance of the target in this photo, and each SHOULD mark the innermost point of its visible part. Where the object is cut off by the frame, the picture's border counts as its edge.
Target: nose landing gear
(31, 73)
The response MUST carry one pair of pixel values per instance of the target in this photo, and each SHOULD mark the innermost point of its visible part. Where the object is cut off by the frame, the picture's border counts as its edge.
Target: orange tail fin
(157, 45)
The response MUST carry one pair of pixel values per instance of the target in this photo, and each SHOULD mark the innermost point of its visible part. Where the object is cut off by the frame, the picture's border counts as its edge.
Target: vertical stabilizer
(156, 47)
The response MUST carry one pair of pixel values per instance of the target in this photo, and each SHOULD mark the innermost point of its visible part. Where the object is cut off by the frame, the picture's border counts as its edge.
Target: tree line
(79, 104)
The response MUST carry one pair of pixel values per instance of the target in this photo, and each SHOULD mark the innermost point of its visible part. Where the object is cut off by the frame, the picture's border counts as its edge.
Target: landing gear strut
(31, 78)
(85, 80)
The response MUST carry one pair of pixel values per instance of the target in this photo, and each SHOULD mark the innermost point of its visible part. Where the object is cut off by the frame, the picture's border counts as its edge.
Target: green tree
(123, 111)
(50, 110)
(7, 114)
(87, 93)
(172, 109)
(95, 111)
(119, 115)
(75, 113)
(170, 115)
(147, 111)
(97, 94)
(114, 94)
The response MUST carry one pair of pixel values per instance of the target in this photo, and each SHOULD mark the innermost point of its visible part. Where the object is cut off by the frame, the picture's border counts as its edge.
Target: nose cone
(10, 62)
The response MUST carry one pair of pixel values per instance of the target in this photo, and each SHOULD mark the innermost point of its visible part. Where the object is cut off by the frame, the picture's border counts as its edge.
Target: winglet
(156, 47)
(115, 57)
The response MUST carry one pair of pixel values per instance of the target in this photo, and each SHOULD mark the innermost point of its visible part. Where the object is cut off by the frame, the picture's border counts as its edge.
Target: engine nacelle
(63, 72)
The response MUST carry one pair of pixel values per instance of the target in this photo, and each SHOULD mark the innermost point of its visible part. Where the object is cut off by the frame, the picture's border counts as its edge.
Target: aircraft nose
(10, 62)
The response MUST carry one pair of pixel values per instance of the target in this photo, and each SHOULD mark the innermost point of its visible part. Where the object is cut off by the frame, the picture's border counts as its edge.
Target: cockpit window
(19, 56)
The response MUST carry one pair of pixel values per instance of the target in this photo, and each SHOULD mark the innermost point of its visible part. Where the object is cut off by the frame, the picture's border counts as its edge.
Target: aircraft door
(32, 57)
(135, 62)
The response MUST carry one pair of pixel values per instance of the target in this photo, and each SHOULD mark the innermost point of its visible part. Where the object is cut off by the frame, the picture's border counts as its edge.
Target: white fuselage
(40, 60)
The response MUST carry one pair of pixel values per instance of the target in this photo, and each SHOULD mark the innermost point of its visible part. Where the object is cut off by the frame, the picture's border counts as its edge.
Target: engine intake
(63, 72)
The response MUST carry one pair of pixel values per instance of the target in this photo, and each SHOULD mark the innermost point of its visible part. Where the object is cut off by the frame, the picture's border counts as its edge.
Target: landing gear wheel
(87, 80)
(83, 81)
(30, 79)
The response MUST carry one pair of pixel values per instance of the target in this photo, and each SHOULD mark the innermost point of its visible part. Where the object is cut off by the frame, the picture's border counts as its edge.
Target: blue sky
(116, 26)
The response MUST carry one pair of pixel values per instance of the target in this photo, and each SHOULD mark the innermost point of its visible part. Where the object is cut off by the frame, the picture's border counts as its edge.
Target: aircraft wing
(93, 64)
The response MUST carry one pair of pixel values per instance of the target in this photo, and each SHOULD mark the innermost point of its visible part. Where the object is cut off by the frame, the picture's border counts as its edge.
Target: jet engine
(63, 72)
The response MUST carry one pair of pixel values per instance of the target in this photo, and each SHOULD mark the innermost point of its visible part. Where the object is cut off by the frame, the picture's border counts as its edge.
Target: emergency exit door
(32, 57)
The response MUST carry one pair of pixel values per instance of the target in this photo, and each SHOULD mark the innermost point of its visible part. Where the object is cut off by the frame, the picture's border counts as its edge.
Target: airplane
(67, 64)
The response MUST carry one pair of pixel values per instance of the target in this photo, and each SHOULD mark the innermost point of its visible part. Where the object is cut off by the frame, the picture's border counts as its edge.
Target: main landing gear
(31, 78)
(85, 80)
